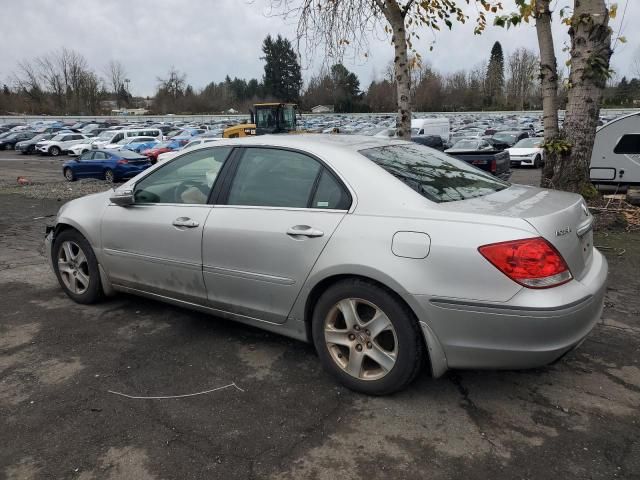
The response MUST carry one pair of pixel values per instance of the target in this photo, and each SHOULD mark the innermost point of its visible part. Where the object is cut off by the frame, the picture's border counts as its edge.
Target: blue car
(139, 144)
(110, 165)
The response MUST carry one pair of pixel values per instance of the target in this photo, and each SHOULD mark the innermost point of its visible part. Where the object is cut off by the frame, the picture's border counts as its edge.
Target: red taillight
(532, 262)
(494, 166)
(122, 161)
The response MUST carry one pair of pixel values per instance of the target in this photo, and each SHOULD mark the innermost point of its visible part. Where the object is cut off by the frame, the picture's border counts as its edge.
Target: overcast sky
(208, 39)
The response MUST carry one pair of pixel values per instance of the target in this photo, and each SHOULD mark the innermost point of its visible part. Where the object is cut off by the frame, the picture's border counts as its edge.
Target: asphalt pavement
(68, 372)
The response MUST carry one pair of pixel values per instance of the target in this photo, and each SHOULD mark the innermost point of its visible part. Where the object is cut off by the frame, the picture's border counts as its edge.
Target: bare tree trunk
(395, 16)
(590, 56)
(549, 86)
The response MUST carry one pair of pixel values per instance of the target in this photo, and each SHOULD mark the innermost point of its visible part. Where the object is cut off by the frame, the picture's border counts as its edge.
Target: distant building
(108, 105)
(322, 109)
(129, 111)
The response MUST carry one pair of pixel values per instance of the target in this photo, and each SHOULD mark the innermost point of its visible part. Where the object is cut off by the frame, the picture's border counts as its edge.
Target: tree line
(62, 82)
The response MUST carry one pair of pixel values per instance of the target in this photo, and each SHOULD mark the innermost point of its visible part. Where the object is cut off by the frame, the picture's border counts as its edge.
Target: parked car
(527, 151)
(9, 142)
(110, 165)
(163, 157)
(433, 141)
(131, 143)
(451, 267)
(509, 138)
(29, 146)
(60, 143)
(494, 162)
(469, 145)
(160, 148)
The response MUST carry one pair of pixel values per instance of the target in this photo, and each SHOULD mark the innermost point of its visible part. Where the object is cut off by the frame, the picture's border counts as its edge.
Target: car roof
(312, 141)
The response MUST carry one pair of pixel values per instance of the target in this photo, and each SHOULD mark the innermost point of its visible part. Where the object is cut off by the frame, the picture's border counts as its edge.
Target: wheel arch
(437, 363)
(63, 226)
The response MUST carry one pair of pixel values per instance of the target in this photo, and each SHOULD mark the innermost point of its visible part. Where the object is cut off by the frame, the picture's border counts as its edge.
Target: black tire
(109, 176)
(69, 175)
(93, 292)
(537, 162)
(411, 354)
(55, 151)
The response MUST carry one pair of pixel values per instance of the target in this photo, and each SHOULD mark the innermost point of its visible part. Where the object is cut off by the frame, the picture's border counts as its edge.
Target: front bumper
(535, 328)
(518, 161)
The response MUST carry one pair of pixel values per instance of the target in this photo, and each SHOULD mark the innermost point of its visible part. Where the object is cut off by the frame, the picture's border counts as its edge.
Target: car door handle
(185, 222)
(304, 231)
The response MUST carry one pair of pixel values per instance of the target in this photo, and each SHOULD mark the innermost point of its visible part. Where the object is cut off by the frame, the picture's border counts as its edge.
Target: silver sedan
(385, 254)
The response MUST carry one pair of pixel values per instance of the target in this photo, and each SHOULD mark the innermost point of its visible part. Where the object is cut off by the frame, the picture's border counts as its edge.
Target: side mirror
(122, 198)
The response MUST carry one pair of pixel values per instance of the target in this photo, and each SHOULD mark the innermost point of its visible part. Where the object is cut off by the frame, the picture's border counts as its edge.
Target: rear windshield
(434, 175)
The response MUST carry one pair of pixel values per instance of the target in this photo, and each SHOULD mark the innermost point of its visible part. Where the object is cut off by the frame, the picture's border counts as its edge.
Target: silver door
(155, 245)
(156, 248)
(257, 257)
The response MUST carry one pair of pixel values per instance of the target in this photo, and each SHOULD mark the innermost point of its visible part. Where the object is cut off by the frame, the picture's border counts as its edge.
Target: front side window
(434, 175)
(628, 145)
(270, 177)
(188, 179)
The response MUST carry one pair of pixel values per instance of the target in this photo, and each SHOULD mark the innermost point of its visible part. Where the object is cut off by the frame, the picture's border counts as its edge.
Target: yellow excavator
(266, 118)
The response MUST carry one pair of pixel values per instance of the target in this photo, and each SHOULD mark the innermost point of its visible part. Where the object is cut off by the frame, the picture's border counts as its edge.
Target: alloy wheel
(73, 267)
(361, 339)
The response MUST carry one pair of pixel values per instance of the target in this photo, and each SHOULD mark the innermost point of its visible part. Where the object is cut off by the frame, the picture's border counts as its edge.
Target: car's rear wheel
(8, 146)
(68, 174)
(76, 267)
(367, 338)
(55, 151)
(109, 176)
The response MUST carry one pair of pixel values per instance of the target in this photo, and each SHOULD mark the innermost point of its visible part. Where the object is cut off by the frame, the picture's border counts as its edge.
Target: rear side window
(434, 175)
(628, 144)
(274, 178)
(330, 194)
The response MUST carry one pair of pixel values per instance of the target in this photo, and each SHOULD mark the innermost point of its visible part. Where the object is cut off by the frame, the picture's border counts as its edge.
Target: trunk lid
(561, 218)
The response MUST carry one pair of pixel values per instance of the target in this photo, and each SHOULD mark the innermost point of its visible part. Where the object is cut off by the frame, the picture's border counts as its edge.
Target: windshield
(528, 143)
(57, 138)
(106, 135)
(434, 175)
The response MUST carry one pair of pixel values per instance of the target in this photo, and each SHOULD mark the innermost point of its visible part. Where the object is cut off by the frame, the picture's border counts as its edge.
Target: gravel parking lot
(60, 364)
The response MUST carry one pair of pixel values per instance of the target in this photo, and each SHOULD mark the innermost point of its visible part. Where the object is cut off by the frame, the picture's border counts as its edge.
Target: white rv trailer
(431, 126)
(615, 160)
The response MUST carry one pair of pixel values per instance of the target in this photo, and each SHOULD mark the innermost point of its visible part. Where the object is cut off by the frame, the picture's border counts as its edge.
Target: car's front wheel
(55, 151)
(367, 338)
(537, 163)
(76, 267)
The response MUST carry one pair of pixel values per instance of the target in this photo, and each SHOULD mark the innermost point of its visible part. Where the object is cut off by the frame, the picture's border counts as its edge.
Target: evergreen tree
(282, 78)
(346, 88)
(495, 76)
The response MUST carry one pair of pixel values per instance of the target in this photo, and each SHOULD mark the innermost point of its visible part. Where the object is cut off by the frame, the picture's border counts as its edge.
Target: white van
(431, 126)
(114, 136)
(615, 160)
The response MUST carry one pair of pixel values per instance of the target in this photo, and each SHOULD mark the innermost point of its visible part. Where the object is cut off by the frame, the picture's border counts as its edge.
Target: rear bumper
(535, 328)
(125, 172)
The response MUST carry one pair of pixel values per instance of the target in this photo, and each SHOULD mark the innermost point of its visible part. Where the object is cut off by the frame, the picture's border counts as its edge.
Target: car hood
(562, 218)
(524, 151)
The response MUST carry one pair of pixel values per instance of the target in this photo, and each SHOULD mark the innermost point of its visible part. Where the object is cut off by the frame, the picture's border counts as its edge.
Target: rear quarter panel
(453, 268)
